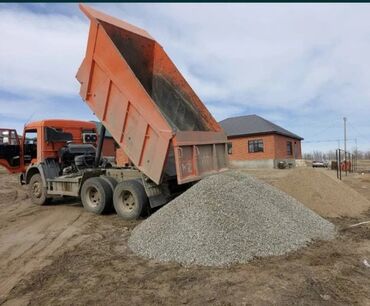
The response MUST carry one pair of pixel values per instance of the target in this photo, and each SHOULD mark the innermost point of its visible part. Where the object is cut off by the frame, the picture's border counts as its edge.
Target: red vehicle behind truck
(140, 97)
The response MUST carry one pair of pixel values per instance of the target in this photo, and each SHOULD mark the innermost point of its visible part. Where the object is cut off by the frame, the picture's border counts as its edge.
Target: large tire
(111, 181)
(130, 200)
(37, 190)
(96, 195)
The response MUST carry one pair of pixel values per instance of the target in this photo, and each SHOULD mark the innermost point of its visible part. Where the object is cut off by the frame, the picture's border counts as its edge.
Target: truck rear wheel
(130, 199)
(37, 190)
(96, 195)
(111, 181)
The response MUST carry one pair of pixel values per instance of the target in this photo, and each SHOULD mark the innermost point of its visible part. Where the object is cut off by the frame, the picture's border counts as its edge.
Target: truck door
(10, 150)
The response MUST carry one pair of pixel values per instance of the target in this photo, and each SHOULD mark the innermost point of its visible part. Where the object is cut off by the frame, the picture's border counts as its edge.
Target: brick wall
(281, 150)
(275, 147)
(240, 148)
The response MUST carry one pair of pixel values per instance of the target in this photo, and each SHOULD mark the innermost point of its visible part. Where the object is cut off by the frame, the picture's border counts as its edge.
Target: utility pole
(356, 156)
(345, 136)
(345, 143)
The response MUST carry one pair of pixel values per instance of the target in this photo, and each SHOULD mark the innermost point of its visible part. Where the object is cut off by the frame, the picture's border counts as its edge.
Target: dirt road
(59, 254)
(30, 235)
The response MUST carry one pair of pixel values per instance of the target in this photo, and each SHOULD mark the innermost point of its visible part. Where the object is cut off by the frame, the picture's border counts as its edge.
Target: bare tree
(307, 156)
(318, 155)
(331, 155)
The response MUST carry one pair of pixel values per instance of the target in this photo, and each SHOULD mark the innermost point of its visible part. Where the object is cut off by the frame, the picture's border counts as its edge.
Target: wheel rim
(127, 201)
(36, 189)
(93, 197)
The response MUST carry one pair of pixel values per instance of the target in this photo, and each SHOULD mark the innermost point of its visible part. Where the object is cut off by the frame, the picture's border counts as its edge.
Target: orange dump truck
(155, 117)
(138, 94)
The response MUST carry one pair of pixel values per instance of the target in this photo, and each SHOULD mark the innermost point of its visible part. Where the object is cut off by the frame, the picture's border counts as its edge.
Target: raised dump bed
(137, 92)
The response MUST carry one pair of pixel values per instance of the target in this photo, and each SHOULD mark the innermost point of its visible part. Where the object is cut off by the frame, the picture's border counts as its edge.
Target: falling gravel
(226, 219)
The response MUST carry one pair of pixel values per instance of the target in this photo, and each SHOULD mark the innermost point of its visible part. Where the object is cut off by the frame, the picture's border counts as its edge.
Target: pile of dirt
(326, 195)
(226, 219)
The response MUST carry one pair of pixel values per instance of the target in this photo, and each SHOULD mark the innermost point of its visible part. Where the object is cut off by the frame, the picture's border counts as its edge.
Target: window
(31, 137)
(289, 148)
(229, 148)
(30, 145)
(8, 137)
(255, 146)
(4, 137)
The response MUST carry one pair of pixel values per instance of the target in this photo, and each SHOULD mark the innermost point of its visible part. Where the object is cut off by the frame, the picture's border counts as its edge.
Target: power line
(331, 125)
(326, 140)
(357, 132)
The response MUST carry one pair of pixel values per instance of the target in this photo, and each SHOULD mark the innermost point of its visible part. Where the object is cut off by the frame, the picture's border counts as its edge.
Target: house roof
(253, 124)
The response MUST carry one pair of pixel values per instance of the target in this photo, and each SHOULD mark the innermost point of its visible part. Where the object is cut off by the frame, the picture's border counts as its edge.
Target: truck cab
(41, 145)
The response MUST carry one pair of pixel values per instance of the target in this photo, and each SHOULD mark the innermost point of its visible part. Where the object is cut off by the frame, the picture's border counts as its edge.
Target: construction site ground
(61, 255)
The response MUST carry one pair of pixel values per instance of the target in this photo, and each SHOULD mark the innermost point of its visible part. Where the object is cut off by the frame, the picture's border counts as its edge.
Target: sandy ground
(59, 254)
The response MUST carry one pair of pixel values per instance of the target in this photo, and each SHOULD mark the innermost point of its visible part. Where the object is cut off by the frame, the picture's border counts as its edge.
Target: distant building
(255, 142)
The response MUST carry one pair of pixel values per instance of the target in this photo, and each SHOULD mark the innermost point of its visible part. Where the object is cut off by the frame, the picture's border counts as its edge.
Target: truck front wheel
(96, 195)
(130, 199)
(37, 190)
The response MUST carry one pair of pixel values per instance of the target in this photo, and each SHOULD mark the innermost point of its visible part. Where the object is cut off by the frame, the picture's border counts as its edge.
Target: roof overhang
(263, 134)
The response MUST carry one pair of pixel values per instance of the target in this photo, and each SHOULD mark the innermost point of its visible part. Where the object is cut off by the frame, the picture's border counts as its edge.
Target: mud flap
(158, 195)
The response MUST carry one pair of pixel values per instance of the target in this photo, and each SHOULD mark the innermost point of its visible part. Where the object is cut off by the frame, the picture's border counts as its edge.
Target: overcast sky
(302, 66)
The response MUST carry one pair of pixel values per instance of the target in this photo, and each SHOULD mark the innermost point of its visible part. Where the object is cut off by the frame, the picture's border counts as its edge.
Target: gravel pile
(225, 219)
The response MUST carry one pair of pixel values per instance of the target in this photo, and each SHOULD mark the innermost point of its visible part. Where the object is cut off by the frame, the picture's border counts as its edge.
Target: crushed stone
(226, 219)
